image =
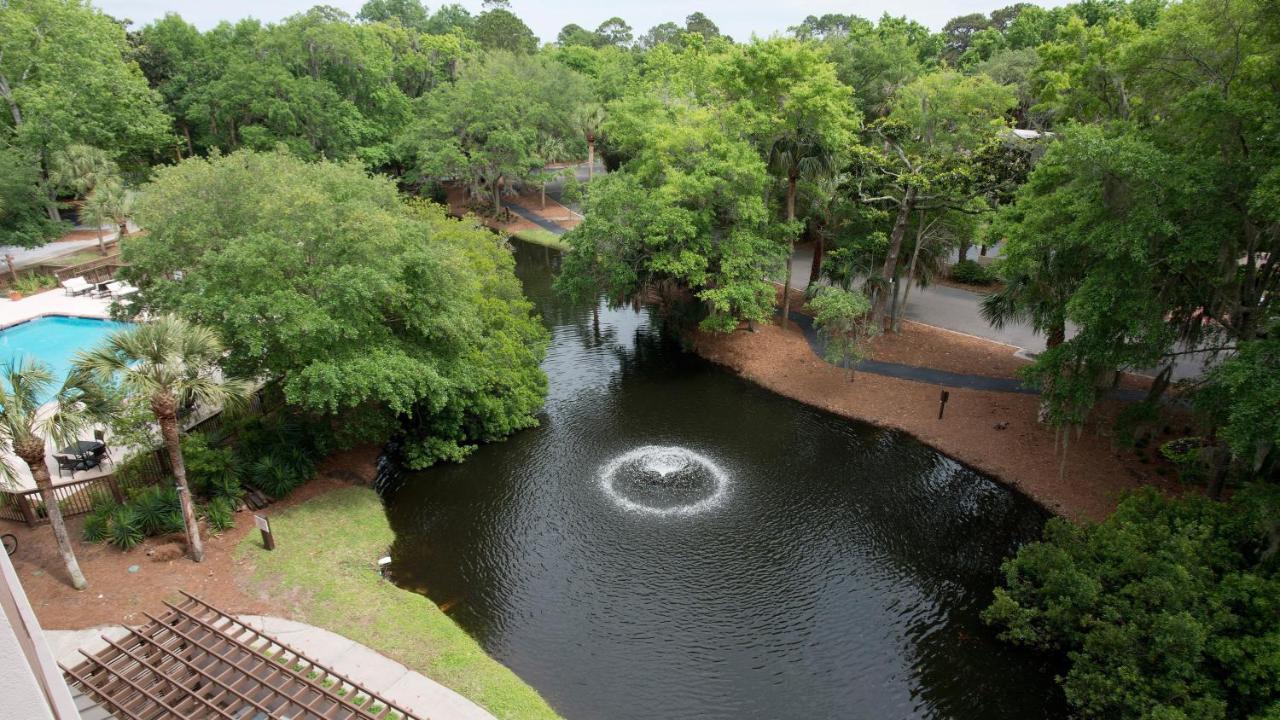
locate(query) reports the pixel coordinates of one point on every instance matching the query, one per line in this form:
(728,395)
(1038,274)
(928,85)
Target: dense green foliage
(321,277)
(1141,221)
(842,319)
(1168,609)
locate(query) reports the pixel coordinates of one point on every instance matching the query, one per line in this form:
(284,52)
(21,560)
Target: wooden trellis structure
(196,661)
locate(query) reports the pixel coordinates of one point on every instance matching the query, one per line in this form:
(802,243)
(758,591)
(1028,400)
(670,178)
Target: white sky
(738,18)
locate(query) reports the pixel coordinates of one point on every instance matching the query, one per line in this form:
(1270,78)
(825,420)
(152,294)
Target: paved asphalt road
(956,309)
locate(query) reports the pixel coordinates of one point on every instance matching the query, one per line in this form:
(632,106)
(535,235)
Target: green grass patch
(545,238)
(325,568)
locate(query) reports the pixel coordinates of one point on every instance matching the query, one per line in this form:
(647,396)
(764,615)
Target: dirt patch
(81,235)
(928,346)
(996,433)
(124,585)
(529,199)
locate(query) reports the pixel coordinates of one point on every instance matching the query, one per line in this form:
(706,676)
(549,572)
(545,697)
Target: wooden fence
(77,497)
(96,270)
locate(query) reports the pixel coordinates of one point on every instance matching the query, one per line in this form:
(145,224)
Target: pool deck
(53,302)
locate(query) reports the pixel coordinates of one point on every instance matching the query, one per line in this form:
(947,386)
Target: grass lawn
(538,236)
(324,568)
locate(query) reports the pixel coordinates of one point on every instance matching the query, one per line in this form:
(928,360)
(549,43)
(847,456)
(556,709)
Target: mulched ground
(1023,454)
(119,595)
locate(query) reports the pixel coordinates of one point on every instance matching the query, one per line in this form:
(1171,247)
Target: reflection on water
(828,569)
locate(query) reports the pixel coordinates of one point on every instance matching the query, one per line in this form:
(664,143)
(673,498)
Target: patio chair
(121,289)
(67,462)
(105,450)
(77,285)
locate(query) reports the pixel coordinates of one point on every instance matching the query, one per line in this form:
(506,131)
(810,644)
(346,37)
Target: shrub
(1187,455)
(211,471)
(220,514)
(32,284)
(155,508)
(1168,609)
(843,322)
(275,476)
(95,527)
(125,528)
(972,273)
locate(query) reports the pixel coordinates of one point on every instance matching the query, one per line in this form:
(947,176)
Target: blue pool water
(54,340)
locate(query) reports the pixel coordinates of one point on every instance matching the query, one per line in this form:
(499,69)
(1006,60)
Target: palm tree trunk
(34,458)
(167,414)
(791,248)
(102,244)
(591,159)
(815,270)
(891,259)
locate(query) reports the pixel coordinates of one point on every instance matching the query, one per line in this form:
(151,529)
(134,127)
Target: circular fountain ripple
(664,461)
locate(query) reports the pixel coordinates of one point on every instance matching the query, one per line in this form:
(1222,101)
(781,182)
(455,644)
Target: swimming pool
(54,340)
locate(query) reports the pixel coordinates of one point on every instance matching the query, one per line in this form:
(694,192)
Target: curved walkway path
(397,683)
(932,376)
(536,219)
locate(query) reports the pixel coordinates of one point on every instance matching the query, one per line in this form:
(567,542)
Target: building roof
(198,661)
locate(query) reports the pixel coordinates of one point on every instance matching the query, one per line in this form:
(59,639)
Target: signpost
(268,540)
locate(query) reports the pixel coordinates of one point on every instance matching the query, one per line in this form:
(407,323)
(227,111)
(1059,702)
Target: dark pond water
(749,558)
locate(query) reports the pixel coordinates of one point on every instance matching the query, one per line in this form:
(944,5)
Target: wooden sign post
(942,405)
(268,540)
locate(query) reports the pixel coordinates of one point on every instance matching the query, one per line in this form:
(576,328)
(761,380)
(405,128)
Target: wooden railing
(97,270)
(77,497)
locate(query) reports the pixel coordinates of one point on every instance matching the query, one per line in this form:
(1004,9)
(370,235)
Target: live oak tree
(921,156)
(685,213)
(373,314)
(66,79)
(484,129)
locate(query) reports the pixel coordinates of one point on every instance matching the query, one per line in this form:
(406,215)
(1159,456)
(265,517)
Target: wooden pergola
(196,661)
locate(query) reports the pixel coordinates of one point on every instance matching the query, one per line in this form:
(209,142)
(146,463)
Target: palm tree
(173,363)
(96,210)
(111,202)
(794,156)
(550,150)
(80,169)
(589,119)
(80,402)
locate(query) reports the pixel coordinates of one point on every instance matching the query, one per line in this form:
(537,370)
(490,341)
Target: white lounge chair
(119,289)
(77,285)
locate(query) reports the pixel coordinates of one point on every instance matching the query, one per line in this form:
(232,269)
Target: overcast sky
(738,18)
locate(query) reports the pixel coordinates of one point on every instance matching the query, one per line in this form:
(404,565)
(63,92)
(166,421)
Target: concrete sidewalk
(379,674)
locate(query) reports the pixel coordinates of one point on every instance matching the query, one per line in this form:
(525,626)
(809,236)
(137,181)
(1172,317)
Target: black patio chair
(103,450)
(68,462)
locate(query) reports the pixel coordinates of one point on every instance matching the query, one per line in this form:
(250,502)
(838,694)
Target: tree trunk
(911,277)
(102,243)
(165,408)
(964,251)
(186,131)
(1057,335)
(815,270)
(497,198)
(544,195)
(591,159)
(891,259)
(791,248)
(33,456)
